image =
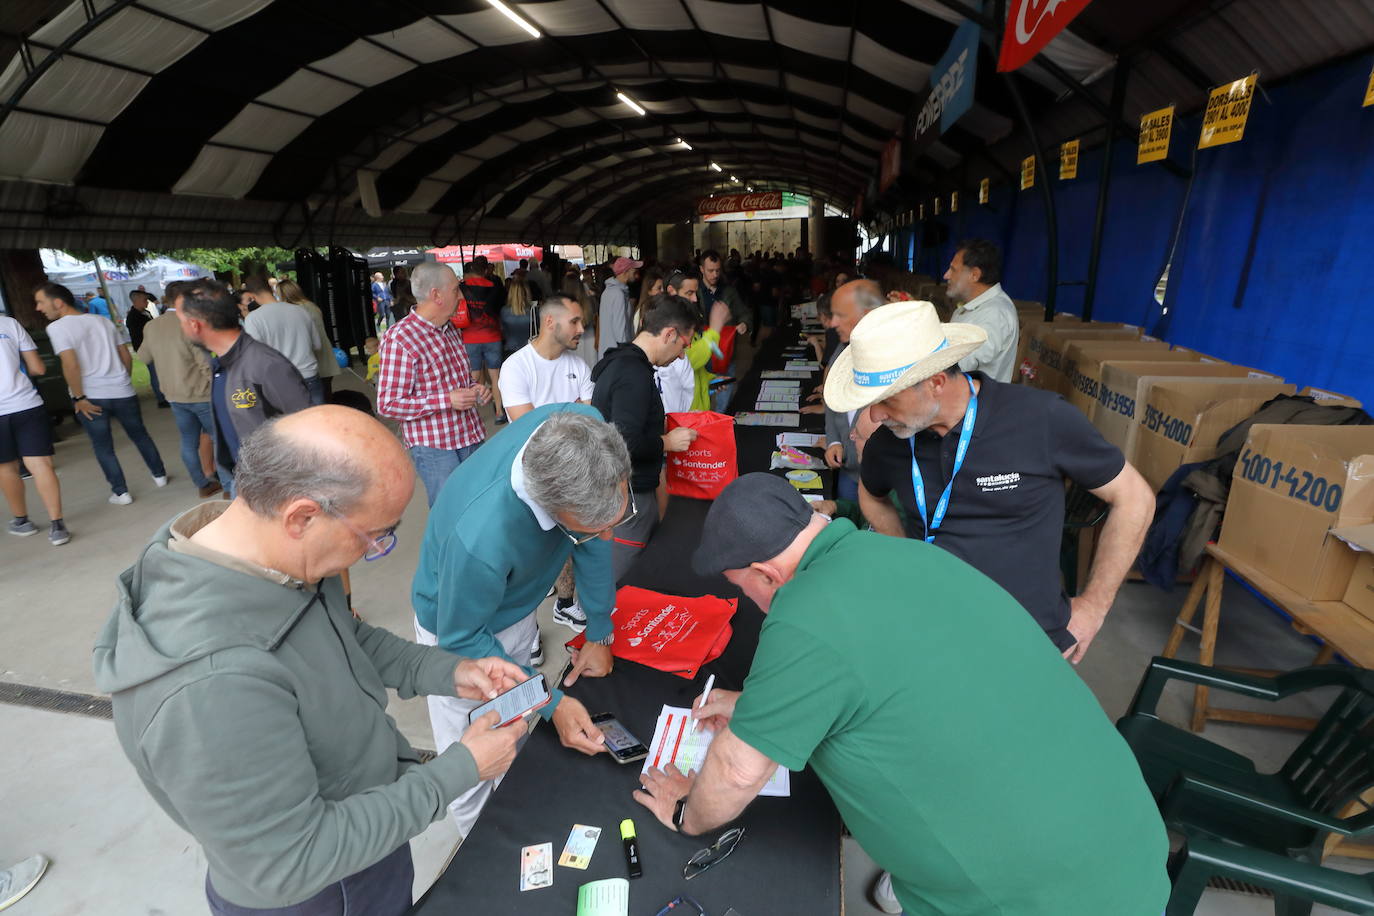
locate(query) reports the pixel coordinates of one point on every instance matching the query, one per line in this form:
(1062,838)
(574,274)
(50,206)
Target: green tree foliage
(235,262)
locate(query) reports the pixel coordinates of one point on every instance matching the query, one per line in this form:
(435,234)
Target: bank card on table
(581,843)
(536,867)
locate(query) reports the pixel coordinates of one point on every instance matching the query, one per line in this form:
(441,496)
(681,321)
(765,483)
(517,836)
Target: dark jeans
(126,411)
(379,890)
(193,418)
(847,486)
(157,389)
(316,387)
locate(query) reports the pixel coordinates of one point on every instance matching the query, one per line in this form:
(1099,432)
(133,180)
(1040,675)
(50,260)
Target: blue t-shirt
(223,422)
(98,306)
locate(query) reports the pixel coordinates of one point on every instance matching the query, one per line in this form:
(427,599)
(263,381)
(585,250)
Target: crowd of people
(251,700)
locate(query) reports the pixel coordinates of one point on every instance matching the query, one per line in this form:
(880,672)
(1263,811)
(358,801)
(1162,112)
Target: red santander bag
(720,365)
(675,635)
(708,465)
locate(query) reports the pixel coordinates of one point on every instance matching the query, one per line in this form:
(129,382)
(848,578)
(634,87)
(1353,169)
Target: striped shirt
(421,364)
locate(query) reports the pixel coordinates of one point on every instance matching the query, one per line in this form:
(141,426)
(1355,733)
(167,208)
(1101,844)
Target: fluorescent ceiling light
(734,179)
(639,109)
(749,189)
(514,17)
(715,167)
(684,143)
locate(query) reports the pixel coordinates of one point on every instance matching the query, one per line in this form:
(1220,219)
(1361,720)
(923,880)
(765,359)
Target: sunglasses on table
(630,513)
(713,855)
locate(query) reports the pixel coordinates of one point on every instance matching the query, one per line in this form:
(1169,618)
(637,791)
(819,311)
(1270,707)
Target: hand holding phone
(523,698)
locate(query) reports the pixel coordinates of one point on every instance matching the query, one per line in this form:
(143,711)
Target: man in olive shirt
(185,376)
(986,787)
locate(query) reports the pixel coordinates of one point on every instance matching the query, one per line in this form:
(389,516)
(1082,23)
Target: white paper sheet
(752,418)
(801,440)
(675,744)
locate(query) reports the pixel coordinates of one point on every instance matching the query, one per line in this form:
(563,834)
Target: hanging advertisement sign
(953,201)
(1027,173)
(1031,24)
(1068,160)
(1228,108)
(922,209)
(1156,127)
(936,204)
(984,187)
(950,93)
(1369,91)
(739,203)
(890,164)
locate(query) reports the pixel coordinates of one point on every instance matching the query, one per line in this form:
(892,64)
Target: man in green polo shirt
(983,774)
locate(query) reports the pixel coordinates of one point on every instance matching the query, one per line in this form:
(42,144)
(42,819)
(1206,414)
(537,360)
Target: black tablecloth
(789,860)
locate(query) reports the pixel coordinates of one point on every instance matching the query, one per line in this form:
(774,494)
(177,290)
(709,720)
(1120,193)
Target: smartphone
(722,380)
(624,747)
(522,698)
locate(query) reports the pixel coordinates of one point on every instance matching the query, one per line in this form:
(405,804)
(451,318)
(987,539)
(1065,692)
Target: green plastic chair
(1208,791)
(1296,885)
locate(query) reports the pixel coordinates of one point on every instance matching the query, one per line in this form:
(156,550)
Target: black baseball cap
(754,518)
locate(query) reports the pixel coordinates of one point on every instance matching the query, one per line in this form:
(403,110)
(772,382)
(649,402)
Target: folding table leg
(1190,604)
(1216,577)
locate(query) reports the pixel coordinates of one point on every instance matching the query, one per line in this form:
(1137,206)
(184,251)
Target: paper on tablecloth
(675,744)
(750,418)
(801,440)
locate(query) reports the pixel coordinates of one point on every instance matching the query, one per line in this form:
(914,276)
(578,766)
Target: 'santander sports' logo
(244,398)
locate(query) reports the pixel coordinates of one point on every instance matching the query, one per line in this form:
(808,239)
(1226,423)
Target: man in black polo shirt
(980,466)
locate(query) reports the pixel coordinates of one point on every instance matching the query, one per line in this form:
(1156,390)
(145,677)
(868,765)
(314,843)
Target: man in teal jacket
(253,704)
(553,485)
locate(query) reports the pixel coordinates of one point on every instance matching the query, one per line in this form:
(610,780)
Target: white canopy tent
(152,276)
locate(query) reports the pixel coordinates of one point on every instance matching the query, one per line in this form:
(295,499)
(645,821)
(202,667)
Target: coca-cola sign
(1032,24)
(737,203)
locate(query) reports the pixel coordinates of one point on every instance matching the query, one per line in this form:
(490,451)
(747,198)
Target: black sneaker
(58,534)
(570,614)
(537,653)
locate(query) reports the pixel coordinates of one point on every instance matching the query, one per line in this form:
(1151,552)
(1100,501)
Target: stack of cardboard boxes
(1301,507)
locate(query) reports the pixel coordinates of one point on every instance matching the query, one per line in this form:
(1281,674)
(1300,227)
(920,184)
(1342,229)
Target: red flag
(1031,24)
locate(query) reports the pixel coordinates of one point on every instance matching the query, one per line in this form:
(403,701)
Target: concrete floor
(68,791)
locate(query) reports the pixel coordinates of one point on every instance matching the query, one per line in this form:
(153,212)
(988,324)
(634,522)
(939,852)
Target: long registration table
(789,860)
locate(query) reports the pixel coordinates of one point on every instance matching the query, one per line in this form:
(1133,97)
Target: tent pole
(1051,221)
(1104,183)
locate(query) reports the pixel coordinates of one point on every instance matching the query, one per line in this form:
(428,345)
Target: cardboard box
(1083,359)
(1126,384)
(1329,398)
(1180,420)
(1027,326)
(1359,594)
(1292,485)
(1043,366)
(1202,357)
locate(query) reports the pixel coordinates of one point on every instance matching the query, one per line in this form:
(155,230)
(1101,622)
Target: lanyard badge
(918,485)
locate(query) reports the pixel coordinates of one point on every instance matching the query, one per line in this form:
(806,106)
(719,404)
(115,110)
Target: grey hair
(428,275)
(575,464)
(866,300)
(274,470)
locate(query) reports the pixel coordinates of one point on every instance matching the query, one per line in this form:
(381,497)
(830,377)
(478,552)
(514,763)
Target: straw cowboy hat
(894,347)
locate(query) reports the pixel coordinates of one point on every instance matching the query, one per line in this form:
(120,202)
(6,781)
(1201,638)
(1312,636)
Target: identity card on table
(536,867)
(676,744)
(581,843)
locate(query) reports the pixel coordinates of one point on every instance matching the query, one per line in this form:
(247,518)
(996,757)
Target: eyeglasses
(714,854)
(681,900)
(579,541)
(376,547)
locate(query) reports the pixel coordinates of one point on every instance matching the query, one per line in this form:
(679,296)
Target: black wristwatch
(78,397)
(679,810)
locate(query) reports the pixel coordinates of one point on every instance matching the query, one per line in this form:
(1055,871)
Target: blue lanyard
(918,485)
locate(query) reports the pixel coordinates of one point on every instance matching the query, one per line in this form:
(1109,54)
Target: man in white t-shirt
(26,432)
(547,370)
(289,330)
(96,367)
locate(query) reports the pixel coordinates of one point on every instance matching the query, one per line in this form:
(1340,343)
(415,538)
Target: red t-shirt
(484,310)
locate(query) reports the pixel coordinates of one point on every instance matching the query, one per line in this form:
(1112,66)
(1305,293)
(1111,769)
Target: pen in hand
(705,698)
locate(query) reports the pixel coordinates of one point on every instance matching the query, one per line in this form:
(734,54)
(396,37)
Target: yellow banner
(1068,160)
(953,201)
(1369,92)
(983,188)
(1155,129)
(1028,172)
(1228,107)
(936,202)
(923,211)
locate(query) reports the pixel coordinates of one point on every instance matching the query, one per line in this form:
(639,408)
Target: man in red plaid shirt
(425,382)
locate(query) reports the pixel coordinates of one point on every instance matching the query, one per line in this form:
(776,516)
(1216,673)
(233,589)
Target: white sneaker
(160,481)
(121,499)
(883,898)
(18,880)
(570,615)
